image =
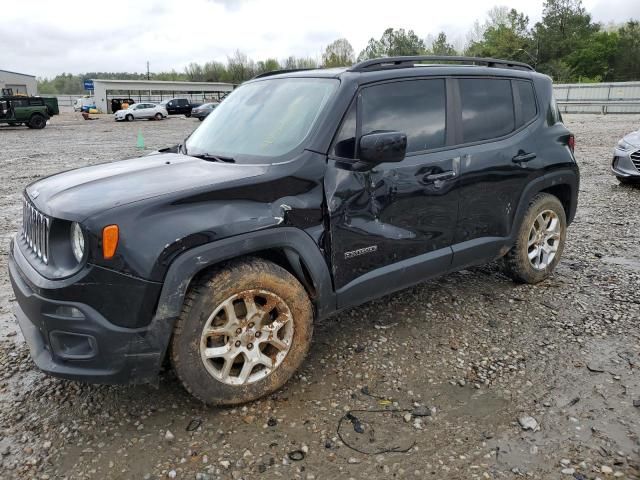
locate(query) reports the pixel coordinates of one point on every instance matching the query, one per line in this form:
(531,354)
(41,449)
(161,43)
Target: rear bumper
(72,340)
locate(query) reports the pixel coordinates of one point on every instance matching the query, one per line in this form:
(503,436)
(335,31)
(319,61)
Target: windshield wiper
(215,158)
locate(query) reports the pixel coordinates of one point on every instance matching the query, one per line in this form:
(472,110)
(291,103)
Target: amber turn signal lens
(110,235)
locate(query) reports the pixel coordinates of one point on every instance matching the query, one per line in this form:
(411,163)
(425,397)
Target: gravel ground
(469,376)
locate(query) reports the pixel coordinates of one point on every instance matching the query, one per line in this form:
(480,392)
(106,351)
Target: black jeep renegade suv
(302,194)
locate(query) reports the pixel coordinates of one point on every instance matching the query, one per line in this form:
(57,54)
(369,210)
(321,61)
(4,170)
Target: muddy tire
(37,122)
(540,241)
(129,118)
(244,330)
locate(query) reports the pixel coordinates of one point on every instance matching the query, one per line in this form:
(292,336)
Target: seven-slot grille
(635,158)
(35,230)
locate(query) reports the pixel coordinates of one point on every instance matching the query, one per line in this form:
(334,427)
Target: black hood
(78,194)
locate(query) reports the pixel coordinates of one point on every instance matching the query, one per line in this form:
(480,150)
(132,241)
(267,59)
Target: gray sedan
(202,111)
(626,159)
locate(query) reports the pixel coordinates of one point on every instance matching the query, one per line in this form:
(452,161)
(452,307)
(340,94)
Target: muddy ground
(438,378)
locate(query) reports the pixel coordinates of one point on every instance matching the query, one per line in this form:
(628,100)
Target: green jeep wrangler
(30,111)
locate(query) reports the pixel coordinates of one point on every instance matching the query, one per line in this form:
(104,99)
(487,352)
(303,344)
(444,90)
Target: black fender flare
(189,263)
(565,176)
(292,240)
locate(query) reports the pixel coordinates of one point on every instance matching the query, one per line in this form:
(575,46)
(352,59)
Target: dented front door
(393,212)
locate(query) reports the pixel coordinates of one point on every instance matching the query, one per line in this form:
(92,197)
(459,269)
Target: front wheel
(158,116)
(129,118)
(187,114)
(201,118)
(540,241)
(244,330)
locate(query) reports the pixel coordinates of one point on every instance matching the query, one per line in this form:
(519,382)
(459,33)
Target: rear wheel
(540,241)
(201,118)
(129,118)
(188,114)
(244,330)
(37,121)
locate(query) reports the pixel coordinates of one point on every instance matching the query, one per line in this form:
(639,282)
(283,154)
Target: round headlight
(77,241)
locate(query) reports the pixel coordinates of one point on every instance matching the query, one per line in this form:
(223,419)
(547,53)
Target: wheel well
(563,193)
(283,257)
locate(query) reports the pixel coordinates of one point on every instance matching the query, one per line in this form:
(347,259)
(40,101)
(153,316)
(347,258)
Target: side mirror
(382,147)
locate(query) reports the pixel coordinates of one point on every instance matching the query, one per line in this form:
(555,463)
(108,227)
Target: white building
(155,91)
(19,83)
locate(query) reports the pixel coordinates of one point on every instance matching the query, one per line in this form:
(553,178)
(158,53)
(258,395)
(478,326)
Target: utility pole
(148,76)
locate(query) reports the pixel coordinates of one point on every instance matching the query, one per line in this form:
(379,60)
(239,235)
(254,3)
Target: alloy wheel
(544,239)
(246,337)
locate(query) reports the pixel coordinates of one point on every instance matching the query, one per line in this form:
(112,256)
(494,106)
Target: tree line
(566,44)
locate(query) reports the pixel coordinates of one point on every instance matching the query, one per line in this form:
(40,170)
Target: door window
(345,143)
(487,108)
(416,108)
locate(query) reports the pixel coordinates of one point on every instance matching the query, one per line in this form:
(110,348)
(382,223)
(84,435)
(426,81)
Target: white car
(141,110)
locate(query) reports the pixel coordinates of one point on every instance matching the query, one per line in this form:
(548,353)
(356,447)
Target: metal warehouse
(19,83)
(155,91)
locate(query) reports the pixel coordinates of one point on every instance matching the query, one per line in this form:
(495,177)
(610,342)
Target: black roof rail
(277,72)
(409,61)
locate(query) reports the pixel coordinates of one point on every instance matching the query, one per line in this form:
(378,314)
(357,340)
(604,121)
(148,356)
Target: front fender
(188,264)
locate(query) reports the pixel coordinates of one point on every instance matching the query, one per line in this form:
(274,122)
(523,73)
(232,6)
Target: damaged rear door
(392,224)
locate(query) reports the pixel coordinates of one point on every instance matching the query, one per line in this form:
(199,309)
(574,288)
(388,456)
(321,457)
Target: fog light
(73,346)
(68,312)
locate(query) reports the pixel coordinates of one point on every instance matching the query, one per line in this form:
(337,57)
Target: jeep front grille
(35,230)
(635,158)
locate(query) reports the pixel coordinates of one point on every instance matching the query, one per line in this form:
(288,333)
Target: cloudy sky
(47,37)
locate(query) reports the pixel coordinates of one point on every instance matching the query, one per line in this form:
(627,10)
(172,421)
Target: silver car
(626,159)
(141,110)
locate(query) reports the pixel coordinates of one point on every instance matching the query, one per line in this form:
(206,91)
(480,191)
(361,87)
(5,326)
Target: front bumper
(72,340)
(622,165)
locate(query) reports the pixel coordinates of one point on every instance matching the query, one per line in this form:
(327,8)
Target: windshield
(264,119)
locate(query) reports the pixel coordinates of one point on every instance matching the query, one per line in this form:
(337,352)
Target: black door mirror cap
(382,147)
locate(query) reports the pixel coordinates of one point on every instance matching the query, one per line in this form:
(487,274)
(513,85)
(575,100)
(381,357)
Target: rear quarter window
(525,95)
(487,108)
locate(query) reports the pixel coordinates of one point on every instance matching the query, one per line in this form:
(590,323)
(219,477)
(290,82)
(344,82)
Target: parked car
(84,102)
(626,159)
(30,111)
(179,106)
(303,194)
(140,111)
(203,110)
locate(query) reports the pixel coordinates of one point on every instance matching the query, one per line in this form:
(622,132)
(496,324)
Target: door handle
(440,176)
(523,157)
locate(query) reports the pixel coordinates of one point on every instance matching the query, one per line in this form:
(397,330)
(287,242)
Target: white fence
(602,98)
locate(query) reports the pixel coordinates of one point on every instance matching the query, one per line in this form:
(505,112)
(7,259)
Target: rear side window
(527,99)
(487,108)
(416,108)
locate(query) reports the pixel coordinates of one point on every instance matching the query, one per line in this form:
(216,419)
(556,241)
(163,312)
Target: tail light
(571,142)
